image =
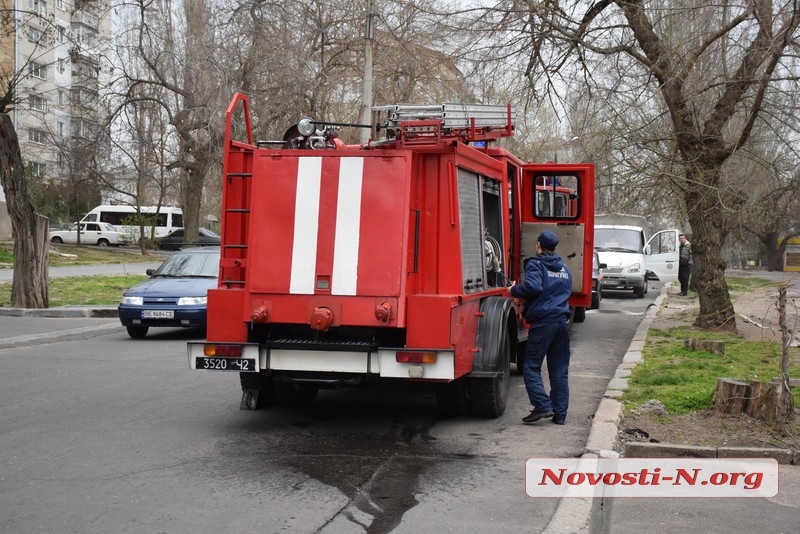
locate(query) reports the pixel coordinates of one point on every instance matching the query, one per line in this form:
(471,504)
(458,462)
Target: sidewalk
(577,515)
(106,269)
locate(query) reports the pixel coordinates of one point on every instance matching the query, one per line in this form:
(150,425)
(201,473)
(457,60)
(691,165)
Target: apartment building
(53,48)
(58,47)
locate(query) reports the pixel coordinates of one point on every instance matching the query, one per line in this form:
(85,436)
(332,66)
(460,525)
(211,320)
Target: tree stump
(713,346)
(764,402)
(731,396)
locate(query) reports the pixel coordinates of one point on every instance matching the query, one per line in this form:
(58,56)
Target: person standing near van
(684,264)
(546,288)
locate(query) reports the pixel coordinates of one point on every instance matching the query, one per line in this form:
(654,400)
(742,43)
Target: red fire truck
(344,265)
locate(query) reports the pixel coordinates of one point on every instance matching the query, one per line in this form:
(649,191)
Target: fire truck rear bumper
(386,363)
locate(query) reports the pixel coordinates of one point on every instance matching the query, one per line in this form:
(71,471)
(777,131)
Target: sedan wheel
(138,332)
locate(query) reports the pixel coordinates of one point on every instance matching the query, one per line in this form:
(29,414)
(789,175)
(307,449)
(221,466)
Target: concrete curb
(68,312)
(63,335)
(574,515)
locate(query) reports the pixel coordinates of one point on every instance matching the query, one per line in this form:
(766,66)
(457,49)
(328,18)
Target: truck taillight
(225,351)
(415,357)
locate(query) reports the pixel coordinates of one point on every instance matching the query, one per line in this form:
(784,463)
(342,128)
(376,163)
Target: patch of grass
(65,256)
(6,256)
(82,290)
(741,284)
(684,380)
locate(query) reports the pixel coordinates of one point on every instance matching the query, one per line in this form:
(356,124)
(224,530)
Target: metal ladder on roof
(475,121)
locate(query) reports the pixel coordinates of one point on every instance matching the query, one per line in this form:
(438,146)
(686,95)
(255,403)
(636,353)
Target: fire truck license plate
(225,364)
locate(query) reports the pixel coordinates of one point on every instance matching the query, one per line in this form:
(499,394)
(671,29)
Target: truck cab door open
(560,198)
(663,257)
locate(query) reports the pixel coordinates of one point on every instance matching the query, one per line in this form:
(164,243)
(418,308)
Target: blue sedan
(175,294)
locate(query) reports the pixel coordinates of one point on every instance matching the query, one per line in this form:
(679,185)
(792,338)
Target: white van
(123,218)
(622,244)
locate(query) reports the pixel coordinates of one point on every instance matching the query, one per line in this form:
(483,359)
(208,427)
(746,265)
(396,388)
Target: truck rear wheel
(488,396)
(451,398)
(291,394)
(257,391)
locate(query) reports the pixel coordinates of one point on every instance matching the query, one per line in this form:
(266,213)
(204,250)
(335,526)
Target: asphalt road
(102,433)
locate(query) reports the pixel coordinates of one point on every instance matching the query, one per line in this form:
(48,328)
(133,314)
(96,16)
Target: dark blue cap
(548,240)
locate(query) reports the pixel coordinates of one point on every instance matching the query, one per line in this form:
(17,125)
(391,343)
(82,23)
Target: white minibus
(123,217)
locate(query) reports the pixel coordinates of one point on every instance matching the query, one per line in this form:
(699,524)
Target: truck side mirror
(647,250)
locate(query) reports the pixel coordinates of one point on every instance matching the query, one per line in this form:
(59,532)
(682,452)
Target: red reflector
(415,357)
(225,351)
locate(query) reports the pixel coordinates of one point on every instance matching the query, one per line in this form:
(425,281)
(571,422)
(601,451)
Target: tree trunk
(29,287)
(708,267)
(192,196)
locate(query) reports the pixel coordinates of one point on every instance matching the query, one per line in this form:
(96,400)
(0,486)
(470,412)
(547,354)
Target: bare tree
(29,285)
(174,64)
(699,75)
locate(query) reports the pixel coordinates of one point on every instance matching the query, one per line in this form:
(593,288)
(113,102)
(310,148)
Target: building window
(36,136)
(60,129)
(38,70)
(61,97)
(36,169)
(82,129)
(37,103)
(35,35)
(60,4)
(61,63)
(38,6)
(62,34)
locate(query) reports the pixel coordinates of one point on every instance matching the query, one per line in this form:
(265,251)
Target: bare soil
(757,319)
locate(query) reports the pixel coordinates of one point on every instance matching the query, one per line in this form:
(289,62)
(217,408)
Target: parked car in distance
(100,234)
(175,295)
(176,239)
(597,281)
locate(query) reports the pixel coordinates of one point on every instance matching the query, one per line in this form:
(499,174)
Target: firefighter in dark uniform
(546,288)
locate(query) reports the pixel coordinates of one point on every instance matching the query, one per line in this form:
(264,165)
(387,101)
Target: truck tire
(488,396)
(138,332)
(257,391)
(291,394)
(451,398)
(580,314)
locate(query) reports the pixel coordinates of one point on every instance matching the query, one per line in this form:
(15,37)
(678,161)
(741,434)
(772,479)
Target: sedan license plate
(226,364)
(158,314)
